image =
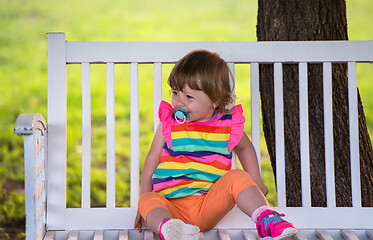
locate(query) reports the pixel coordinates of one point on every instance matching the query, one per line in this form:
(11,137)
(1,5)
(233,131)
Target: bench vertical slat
(255,109)
(110,135)
(86,135)
(328,134)
(134,85)
(354,135)
(304,135)
(232,69)
(279,124)
(57,120)
(157,92)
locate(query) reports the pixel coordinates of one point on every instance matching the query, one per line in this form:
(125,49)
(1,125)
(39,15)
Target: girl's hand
(138,221)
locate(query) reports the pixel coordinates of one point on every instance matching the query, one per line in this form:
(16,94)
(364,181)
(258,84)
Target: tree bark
(281,20)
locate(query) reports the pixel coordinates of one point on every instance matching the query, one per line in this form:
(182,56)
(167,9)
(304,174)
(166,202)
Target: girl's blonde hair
(208,69)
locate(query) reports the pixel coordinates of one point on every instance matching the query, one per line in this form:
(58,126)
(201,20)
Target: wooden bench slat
(73,235)
(157,92)
(300,236)
(244,51)
(148,235)
(231,66)
(369,234)
(123,235)
(248,235)
(328,128)
(354,135)
(135,135)
(323,235)
(279,135)
(201,236)
(348,235)
(110,136)
(223,234)
(50,235)
(86,136)
(304,135)
(98,235)
(255,109)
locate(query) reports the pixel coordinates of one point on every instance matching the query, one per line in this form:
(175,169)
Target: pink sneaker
(270,224)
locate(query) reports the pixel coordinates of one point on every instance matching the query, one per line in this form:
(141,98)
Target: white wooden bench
(47,216)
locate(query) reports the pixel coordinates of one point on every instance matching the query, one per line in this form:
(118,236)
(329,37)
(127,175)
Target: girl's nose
(179,101)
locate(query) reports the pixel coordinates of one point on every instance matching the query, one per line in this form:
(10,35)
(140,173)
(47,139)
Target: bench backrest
(61,53)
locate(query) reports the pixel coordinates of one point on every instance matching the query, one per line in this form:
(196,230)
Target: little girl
(187,182)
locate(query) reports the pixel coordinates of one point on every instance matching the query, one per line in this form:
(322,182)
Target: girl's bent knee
(149,195)
(146,197)
(239,180)
(150,201)
(239,175)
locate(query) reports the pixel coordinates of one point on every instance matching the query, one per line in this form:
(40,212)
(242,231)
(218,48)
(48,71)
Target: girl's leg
(156,217)
(251,199)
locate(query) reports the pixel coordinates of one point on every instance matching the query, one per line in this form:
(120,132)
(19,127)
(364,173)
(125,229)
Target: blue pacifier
(180,115)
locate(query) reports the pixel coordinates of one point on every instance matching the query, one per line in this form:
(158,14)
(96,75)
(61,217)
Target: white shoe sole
(176,229)
(287,233)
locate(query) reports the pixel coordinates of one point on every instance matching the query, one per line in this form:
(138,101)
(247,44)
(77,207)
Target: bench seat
(218,234)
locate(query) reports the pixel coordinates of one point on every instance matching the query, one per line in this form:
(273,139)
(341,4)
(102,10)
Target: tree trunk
(282,20)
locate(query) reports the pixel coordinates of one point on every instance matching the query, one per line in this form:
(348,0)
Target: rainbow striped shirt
(196,154)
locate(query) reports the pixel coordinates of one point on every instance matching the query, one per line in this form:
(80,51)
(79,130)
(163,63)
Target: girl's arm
(150,164)
(152,161)
(246,154)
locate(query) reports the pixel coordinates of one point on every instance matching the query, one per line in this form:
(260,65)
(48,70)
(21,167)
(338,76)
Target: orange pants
(204,211)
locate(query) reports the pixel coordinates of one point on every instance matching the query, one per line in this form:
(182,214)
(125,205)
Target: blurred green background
(23,79)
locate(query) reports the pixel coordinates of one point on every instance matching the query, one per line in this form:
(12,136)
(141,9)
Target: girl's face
(197,103)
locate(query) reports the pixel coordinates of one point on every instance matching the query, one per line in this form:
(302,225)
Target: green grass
(23,76)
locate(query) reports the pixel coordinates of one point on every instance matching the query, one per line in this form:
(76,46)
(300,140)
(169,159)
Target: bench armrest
(34,129)
(26,122)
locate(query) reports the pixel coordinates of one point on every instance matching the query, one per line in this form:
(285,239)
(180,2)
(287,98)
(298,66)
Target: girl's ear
(215,105)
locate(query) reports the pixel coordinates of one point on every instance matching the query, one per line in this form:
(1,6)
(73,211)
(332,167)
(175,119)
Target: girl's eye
(174,93)
(188,96)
